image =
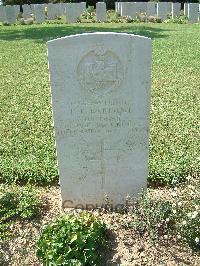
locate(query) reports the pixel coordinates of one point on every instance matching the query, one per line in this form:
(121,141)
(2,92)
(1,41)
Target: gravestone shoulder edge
(51,42)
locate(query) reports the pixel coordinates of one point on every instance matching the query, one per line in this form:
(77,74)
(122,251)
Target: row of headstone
(8,14)
(160,9)
(192,11)
(73,10)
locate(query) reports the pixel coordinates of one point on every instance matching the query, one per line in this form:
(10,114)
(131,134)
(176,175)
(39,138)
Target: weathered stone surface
(101,11)
(39,12)
(101,99)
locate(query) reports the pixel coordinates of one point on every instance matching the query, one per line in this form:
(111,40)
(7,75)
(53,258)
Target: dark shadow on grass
(44,33)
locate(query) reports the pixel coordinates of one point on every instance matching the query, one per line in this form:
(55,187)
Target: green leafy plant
(142,17)
(154,19)
(128,19)
(17,203)
(182,19)
(154,217)
(187,208)
(178,217)
(72,240)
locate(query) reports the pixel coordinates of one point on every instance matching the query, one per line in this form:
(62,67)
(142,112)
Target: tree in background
(109,3)
(22,2)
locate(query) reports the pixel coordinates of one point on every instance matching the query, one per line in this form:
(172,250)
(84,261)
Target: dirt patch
(128,247)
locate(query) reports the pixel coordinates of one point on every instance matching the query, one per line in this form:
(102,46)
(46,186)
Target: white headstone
(73,11)
(186,9)
(116,7)
(101,99)
(131,10)
(124,9)
(193,12)
(62,9)
(151,9)
(119,8)
(51,11)
(176,9)
(83,7)
(169,8)
(2,14)
(162,10)
(17,10)
(10,14)
(141,7)
(27,11)
(39,12)
(58,9)
(101,11)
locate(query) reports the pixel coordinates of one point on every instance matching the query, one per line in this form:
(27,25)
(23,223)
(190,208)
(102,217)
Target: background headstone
(27,11)
(51,11)
(193,12)
(59,9)
(151,9)
(17,10)
(130,9)
(169,8)
(39,12)
(62,9)
(124,9)
(10,14)
(2,14)
(83,7)
(119,8)
(186,9)
(73,11)
(101,11)
(162,10)
(176,8)
(141,7)
(101,101)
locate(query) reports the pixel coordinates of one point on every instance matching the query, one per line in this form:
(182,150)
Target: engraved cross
(102,149)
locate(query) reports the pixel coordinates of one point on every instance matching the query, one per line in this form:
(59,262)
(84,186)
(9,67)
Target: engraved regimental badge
(100,70)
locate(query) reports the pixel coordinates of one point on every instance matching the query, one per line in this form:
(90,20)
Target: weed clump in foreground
(175,218)
(72,240)
(19,203)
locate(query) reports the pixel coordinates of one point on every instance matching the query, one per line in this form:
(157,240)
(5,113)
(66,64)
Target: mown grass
(26,132)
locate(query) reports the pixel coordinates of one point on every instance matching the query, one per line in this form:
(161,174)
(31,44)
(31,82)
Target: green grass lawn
(27,141)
